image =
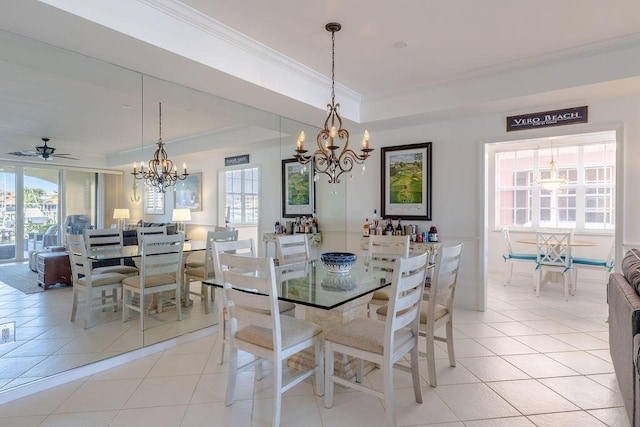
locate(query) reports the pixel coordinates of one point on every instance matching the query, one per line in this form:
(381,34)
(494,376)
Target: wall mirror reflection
(107,118)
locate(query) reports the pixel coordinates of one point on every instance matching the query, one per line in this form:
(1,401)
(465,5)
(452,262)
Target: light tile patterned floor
(525,361)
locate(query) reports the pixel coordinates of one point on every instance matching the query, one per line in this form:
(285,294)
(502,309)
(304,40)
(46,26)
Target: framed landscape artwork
(188,194)
(298,196)
(406,181)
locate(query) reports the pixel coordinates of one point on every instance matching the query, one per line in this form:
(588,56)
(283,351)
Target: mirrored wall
(107,118)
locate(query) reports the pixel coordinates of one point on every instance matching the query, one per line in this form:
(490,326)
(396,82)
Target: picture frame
(154,201)
(406,181)
(298,189)
(188,193)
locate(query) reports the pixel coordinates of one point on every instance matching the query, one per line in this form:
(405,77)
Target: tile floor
(48,343)
(525,361)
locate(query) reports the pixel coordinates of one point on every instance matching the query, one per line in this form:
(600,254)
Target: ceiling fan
(43,151)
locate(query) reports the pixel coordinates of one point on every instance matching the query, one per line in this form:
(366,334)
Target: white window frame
(580,186)
(243,194)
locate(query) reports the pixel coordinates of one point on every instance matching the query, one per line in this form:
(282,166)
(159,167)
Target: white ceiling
(462,57)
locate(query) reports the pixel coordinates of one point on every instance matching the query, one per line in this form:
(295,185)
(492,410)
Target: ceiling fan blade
(63,156)
(25,153)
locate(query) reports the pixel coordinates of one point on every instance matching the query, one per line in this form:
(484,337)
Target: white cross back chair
(510,258)
(554,257)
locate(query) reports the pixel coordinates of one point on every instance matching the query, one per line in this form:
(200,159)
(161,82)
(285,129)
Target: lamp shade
(181,215)
(121,214)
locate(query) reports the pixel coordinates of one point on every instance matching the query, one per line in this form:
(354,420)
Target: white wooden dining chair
(245,248)
(382,252)
(437,307)
(255,326)
(292,249)
(106,239)
(160,267)
(511,257)
(94,286)
(553,256)
(144,231)
(383,342)
(207,271)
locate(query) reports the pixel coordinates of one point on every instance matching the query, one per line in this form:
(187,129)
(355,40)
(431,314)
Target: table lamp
(121,215)
(179,216)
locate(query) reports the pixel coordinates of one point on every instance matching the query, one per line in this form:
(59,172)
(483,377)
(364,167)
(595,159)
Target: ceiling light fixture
(161,172)
(554,182)
(325,159)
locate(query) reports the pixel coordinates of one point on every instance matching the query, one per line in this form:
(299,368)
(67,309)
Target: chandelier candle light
(554,182)
(161,173)
(325,159)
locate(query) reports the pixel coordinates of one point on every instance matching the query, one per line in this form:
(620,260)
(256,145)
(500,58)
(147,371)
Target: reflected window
(242,200)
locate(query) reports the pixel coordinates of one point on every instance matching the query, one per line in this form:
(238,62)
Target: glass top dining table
(310,284)
(114,253)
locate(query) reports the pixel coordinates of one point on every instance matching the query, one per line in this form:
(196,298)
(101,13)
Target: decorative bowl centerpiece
(338,262)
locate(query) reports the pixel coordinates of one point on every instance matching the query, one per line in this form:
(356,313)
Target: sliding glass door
(34,203)
(7,213)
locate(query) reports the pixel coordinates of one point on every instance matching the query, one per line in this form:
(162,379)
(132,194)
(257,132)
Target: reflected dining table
(111,253)
(573,242)
(327,298)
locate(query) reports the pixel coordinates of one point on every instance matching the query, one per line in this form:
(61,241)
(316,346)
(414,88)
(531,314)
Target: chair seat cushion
(197,272)
(441,311)
(294,331)
(122,269)
(520,256)
(383,294)
(590,261)
(103,279)
(365,334)
(150,281)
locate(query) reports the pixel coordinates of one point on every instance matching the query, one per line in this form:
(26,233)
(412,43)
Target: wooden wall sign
(567,116)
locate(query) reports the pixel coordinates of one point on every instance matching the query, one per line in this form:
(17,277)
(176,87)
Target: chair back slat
(149,231)
(292,249)
(80,265)
(216,236)
(384,250)
(444,279)
(161,254)
(507,240)
(407,287)
(554,249)
(242,273)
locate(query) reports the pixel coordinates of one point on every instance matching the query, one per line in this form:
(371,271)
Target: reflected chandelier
(554,182)
(326,159)
(161,173)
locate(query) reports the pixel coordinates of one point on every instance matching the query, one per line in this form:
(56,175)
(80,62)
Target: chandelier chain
(333,68)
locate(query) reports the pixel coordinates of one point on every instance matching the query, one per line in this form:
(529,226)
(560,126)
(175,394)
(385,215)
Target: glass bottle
(390,229)
(366,228)
(399,230)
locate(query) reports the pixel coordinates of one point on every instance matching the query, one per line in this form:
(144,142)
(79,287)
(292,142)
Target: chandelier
(327,159)
(161,172)
(554,182)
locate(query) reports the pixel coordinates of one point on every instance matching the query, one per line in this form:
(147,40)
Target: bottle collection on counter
(381,226)
(301,225)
